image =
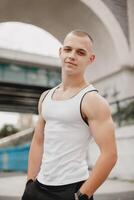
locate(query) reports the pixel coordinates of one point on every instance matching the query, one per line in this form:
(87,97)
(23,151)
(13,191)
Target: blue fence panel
(14,158)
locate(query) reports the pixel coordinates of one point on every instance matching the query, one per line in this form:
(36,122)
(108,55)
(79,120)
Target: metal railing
(16,139)
(123,111)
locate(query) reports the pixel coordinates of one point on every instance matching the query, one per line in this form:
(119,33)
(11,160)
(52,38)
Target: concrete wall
(130,5)
(124,168)
(121,82)
(119,9)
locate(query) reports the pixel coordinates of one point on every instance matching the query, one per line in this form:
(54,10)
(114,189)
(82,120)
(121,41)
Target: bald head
(80,33)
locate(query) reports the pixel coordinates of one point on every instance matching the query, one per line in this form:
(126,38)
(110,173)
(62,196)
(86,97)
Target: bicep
(103,133)
(38,136)
(100,122)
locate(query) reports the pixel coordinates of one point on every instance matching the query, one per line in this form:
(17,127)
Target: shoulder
(94,98)
(94,105)
(42,97)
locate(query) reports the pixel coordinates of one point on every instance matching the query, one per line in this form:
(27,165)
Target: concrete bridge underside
(60,16)
(20,98)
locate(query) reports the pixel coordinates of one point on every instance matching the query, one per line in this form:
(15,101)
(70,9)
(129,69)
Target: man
(69,115)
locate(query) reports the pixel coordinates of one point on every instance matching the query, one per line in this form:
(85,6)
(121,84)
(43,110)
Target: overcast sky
(8,118)
(29,38)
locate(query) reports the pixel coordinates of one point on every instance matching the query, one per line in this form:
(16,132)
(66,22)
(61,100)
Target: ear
(92,58)
(60,49)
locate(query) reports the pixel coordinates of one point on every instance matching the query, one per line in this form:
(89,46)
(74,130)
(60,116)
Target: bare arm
(36,147)
(98,115)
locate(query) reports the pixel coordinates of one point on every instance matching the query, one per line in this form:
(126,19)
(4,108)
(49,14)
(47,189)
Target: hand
(80,196)
(29,181)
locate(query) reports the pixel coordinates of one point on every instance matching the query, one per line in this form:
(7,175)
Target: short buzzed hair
(81,33)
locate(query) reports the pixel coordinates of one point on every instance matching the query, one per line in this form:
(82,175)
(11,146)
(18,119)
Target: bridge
(23,77)
(109,22)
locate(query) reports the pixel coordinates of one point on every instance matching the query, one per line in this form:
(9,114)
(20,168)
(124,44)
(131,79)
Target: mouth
(71,63)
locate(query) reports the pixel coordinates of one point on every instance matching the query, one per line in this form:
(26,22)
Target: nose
(72,55)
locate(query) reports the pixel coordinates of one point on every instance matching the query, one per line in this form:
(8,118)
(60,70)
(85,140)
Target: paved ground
(12,186)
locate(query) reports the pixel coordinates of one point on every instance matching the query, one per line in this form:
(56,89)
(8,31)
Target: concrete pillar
(130,4)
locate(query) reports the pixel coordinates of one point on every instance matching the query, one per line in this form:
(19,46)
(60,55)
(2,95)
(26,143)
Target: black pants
(37,191)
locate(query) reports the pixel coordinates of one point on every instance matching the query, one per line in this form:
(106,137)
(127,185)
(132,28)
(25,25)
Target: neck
(71,81)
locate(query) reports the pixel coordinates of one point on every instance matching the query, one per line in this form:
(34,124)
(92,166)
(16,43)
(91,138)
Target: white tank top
(66,140)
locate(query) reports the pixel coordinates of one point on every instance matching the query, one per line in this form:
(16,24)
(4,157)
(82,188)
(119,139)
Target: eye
(67,49)
(81,53)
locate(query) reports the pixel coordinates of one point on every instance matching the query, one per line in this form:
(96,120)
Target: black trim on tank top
(45,95)
(69,97)
(81,104)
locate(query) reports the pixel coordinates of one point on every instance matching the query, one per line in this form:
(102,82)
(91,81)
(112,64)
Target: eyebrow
(85,51)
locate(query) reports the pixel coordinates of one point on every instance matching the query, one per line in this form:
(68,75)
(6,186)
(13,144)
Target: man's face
(76,54)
